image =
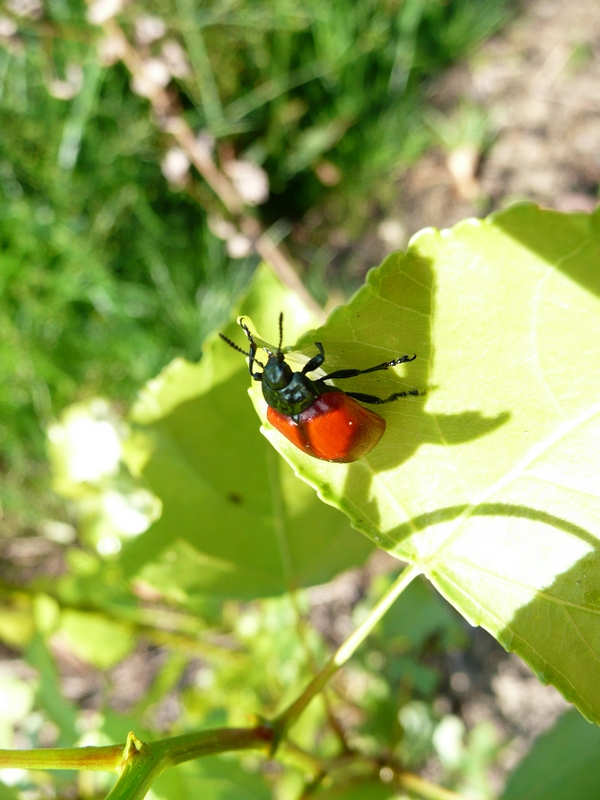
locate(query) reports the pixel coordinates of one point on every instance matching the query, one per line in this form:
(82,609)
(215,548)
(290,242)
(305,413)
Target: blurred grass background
(108,270)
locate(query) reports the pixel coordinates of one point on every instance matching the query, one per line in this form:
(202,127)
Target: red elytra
(335,427)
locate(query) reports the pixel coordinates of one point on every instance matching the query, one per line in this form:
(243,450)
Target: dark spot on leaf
(235,498)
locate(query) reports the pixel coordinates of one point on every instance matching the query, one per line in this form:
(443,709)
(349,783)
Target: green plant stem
(283,543)
(288,716)
(92,758)
(221,740)
(143,762)
(164,752)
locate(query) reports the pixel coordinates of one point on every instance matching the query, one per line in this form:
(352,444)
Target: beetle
(321,420)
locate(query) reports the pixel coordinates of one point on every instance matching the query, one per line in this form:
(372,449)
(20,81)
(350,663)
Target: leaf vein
(403,308)
(559,485)
(522,587)
(519,469)
(413,279)
(535,340)
(581,635)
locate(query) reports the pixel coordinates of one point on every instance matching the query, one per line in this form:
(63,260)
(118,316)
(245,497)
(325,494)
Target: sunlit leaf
(96,639)
(16,626)
(490,481)
(16,700)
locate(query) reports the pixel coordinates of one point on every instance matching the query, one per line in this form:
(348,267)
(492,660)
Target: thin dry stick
(167,110)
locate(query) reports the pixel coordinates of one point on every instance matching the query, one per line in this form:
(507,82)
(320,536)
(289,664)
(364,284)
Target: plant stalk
(288,716)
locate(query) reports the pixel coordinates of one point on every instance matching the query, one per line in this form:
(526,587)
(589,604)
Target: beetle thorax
(285,390)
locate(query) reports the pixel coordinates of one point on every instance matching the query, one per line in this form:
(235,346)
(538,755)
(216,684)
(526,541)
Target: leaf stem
(288,716)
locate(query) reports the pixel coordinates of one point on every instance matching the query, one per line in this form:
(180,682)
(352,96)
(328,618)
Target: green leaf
(360,789)
(212,778)
(96,639)
(418,615)
(490,481)
(16,626)
(235,522)
(6,793)
(49,695)
(16,700)
(562,763)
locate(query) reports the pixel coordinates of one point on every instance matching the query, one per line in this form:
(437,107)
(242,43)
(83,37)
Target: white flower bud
(154,75)
(175,166)
(174,56)
(102,10)
(148,29)
(250,180)
(239,246)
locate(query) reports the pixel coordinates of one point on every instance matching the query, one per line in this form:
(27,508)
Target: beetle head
(276,373)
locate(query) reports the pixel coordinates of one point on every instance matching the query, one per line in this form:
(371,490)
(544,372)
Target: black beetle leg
(315,361)
(373,400)
(352,373)
(258,376)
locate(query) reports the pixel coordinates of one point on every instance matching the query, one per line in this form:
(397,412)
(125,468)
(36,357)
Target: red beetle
(321,420)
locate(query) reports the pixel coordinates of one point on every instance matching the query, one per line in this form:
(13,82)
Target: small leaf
(6,793)
(96,639)
(212,778)
(16,626)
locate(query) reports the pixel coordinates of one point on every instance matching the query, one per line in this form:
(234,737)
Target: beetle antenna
(246,330)
(280,330)
(234,345)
